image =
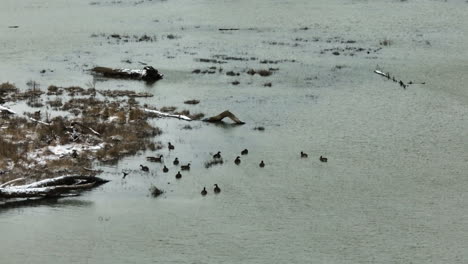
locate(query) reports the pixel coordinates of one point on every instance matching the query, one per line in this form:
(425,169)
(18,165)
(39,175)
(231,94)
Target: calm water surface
(393,191)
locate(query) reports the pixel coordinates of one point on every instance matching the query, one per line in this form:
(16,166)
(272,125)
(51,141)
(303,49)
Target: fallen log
(219,118)
(147,74)
(56,187)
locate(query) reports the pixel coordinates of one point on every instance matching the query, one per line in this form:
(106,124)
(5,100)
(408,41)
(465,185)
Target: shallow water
(393,190)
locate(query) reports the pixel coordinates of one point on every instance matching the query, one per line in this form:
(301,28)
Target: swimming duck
(244,152)
(144,168)
(170,146)
(124,174)
(204,192)
(262,164)
(185,167)
(304,155)
(217,189)
(178,175)
(323,159)
(217,155)
(176,161)
(155,159)
(237,161)
(165,169)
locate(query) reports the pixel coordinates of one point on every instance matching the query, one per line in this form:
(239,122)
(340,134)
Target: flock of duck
(216,157)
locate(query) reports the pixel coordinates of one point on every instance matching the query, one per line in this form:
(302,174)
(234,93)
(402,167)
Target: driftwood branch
(219,118)
(90,129)
(11,182)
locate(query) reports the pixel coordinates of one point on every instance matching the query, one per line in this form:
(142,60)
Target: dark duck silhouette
(144,168)
(124,174)
(155,159)
(262,164)
(217,189)
(217,155)
(244,152)
(323,159)
(176,161)
(178,175)
(170,146)
(165,169)
(237,161)
(204,192)
(185,167)
(304,155)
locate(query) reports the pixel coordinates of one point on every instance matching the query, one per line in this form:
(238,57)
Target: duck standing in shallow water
(165,169)
(217,155)
(244,152)
(170,146)
(185,167)
(144,168)
(178,175)
(323,159)
(304,155)
(237,161)
(176,161)
(217,189)
(262,164)
(204,192)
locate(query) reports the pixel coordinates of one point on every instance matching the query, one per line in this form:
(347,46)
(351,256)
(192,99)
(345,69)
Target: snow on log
(147,74)
(186,118)
(55,187)
(7,110)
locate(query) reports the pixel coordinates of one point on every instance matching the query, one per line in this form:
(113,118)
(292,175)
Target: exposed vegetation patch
(263,73)
(120,93)
(192,102)
(95,130)
(115,38)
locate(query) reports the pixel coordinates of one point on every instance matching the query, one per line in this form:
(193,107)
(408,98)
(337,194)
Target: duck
(124,174)
(304,155)
(237,161)
(323,159)
(178,175)
(176,161)
(170,146)
(155,159)
(245,152)
(185,167)
(165,169)
(144,168)
(204,192)
(216,188)
(217,155)
(262,164)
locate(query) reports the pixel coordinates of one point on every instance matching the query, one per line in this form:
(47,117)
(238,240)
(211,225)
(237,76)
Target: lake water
(393,190)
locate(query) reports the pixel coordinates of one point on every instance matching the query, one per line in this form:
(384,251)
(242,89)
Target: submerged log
(219,118)
(55,187)
(148,74)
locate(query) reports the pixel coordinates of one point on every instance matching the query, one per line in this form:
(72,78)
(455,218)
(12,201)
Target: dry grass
(8,88)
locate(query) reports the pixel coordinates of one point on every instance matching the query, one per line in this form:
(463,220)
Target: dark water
(393,191)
